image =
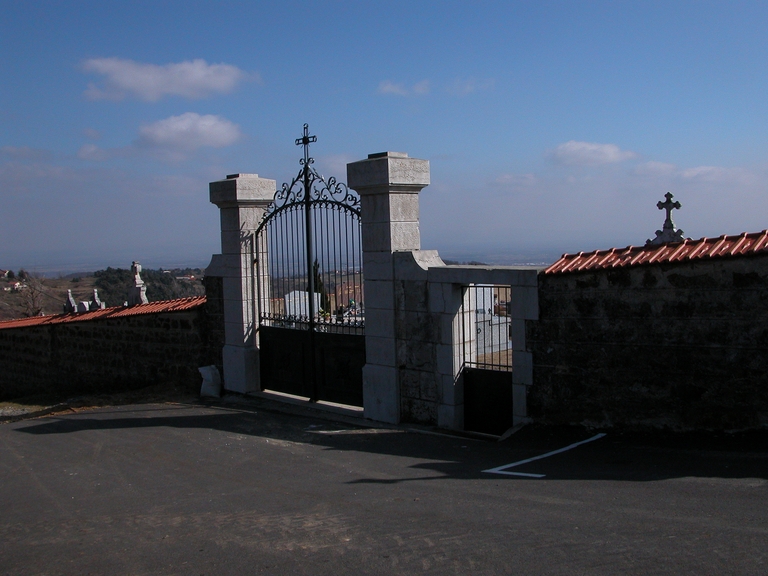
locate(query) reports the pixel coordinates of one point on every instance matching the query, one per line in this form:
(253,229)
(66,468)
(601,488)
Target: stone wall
(212,328)
(108,354)
(677,345)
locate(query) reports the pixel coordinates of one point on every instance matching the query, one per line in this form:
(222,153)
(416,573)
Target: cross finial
(668,232)
(305,141)
(668,205)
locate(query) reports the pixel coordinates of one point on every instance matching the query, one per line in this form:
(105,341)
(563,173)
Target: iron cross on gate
(305,141)
(668,206)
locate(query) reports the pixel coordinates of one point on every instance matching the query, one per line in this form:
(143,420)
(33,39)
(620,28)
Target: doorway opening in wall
(486,348)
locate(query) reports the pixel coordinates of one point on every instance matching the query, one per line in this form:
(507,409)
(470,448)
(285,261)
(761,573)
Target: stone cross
(668,206)
(668,233)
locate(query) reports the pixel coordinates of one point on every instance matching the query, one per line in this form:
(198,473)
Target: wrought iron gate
(487,355)
(309,288)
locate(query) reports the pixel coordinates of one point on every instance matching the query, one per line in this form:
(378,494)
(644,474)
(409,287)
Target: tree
(32,295)
(325,301)
(11,275)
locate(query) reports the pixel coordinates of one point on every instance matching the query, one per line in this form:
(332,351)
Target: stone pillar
(242,200)
(389,184)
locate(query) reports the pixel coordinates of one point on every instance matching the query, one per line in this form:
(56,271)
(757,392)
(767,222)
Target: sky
(550,126)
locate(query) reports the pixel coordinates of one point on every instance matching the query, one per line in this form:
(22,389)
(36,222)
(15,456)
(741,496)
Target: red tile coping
(725,246)
(178,305)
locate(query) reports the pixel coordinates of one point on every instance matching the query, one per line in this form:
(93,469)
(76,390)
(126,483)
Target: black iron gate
(487,365)
(309,288)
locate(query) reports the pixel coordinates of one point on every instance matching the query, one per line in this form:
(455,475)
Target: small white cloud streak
(463,87)
(419,89)
(577,153)
(516,180)
(655,169)
(150,82)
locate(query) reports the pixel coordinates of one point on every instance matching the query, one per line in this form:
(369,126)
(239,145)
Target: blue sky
(550,126)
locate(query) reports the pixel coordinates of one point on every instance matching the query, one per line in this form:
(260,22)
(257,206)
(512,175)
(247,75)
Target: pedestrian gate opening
(487,358)
(309,288)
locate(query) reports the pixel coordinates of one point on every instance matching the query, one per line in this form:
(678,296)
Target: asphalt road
(191,489)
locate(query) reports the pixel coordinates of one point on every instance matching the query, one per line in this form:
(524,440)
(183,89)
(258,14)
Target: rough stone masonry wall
(212,328)
(106,355)
(681,345)
(415,352)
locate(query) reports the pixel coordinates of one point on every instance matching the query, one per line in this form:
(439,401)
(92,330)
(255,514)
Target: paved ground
(174,488)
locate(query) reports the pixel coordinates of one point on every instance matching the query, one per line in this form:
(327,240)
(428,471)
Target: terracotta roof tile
(178,305)
(723,247)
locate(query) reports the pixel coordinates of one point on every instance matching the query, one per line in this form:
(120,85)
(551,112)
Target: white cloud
(516,180)
(189,79)
(590,153)
(388,87)
(171,139)
(655,169)
(189,131)
(93,153)
(717,174)
(462,87)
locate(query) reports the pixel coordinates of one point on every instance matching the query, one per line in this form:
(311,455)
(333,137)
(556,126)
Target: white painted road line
(502,469)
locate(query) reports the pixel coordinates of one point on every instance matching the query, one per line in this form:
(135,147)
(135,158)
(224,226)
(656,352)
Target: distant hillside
(47,295)
(113,284)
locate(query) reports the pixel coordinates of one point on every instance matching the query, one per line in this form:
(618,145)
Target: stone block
(376,237)
(377,265)
(381,397)
(238,334)
(418,411)
(405,236)
(374,209)
(414,264)
(436,297)
(379,350)
(524,303)
(403,208)
(517,333)
(388,170)
(428,386)
(241,369)
(379,322)
(410,386)
(451,389)
(522,367)
(242,190)
(416,297)
(519,403)
(379,294)
(499,275)
(238,242)
(445,359)
(450,416)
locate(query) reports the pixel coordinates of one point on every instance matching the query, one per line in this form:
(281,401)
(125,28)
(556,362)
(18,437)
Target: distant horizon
(51,269)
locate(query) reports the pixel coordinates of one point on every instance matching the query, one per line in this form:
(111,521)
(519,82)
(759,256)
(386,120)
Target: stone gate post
(389,184)
(242,200)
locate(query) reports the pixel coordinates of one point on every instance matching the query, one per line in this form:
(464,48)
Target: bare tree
(32,296)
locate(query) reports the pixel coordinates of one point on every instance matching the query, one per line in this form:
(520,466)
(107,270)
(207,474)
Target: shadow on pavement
(633,457)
